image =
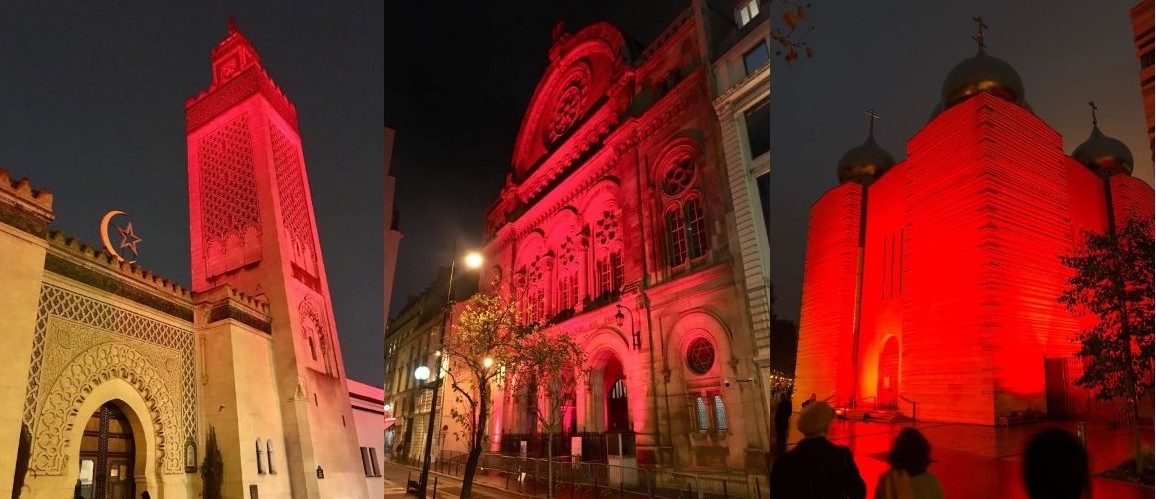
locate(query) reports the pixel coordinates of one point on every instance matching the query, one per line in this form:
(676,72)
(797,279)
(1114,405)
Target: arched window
(696,227)
(676,237)
(269,456)
(260,459)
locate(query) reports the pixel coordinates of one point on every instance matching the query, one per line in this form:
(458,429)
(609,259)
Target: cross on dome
(871,117)
(978,37)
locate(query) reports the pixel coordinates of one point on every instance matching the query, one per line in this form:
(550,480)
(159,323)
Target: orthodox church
(930,284)
(115,379)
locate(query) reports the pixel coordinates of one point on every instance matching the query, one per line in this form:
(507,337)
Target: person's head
(910,452)
(813,397)
(1055,465)
(815,419)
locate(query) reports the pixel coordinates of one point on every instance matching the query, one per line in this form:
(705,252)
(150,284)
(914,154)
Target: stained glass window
(700,356)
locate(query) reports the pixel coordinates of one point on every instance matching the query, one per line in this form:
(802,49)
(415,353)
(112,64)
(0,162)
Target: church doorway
(107,455)
(888,394)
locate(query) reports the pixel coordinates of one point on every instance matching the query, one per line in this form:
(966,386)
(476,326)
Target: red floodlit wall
(829,275)
(1131,197)
(881,311)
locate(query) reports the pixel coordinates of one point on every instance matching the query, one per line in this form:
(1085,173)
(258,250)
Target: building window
(365,464)
(756,57)
(373,461)
(700,356)
(746,11)
(764,184)
(677,232)
(720,413)
(260,459)
(696,226)
(618,391)
(700,414)
(610,273)
(568,291)
(269,457)
(758,121)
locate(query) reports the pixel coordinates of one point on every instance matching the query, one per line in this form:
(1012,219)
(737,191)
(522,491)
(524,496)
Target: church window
(312,349)
(700,356)
(568,291)
(618,391)
(746,11)
(260,459)
(269,456)
(616,269)
(756,57)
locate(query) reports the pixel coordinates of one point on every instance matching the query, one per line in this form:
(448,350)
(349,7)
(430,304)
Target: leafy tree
(1113,284)
(551,368)
(483,355)
(212,468)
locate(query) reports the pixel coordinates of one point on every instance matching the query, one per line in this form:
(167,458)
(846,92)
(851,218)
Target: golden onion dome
(864,163)
(982,73)
(1104,154)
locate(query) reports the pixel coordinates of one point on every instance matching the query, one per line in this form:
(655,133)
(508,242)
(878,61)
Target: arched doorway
(617,407)
(107,455)
(888,390)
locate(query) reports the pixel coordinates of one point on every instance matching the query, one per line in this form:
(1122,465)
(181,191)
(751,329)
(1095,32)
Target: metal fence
(581,479)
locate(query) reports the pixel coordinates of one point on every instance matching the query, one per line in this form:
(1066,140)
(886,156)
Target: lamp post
(635,334)
(473,260)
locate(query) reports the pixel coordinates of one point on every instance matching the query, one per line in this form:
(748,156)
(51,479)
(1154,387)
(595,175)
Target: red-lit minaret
(252,227)
(934,281)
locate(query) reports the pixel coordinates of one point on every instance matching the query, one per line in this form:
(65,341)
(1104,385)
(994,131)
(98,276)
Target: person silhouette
(1056,466)
(908,477)
(816,468)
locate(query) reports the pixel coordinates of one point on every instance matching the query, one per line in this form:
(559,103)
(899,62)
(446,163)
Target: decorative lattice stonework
(228,189)
(291,188)
(606,228)
(679,175)
(700,356)
(81,343)
(569,105)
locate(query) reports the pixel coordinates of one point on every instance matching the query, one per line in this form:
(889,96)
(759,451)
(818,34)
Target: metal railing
(583,479)
(914,407)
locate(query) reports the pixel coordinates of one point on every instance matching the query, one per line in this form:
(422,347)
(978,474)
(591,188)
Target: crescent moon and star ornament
(128,239)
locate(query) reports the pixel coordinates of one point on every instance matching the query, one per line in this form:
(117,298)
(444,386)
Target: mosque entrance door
(107,455)
(888,394)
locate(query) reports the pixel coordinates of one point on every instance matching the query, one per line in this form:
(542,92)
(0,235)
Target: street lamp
(473,260)
(635,334)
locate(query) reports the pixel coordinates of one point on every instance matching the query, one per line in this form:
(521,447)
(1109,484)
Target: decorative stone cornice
(226,302)
(23,207)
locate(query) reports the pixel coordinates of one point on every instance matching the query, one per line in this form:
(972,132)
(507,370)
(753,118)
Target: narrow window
(676,231)
(756,57)
(373,461)
(260,459)
(269,457)
(696,225)
(700,412)
(616,270)
(312,349)
(365,461)
(720,413)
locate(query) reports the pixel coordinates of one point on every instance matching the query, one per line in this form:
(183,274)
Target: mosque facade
(116,379)
(930,284)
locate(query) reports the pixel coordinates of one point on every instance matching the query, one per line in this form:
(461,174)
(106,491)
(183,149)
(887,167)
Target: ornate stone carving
(294,203)
(81,343)
(228,189)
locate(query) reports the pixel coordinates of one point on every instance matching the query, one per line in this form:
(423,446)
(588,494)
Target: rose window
(700,356)
(679,176)
(568,107)
(568,258)
(607,228)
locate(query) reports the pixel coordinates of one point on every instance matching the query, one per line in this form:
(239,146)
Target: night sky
(894,55)
(458,84)
(92,99)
